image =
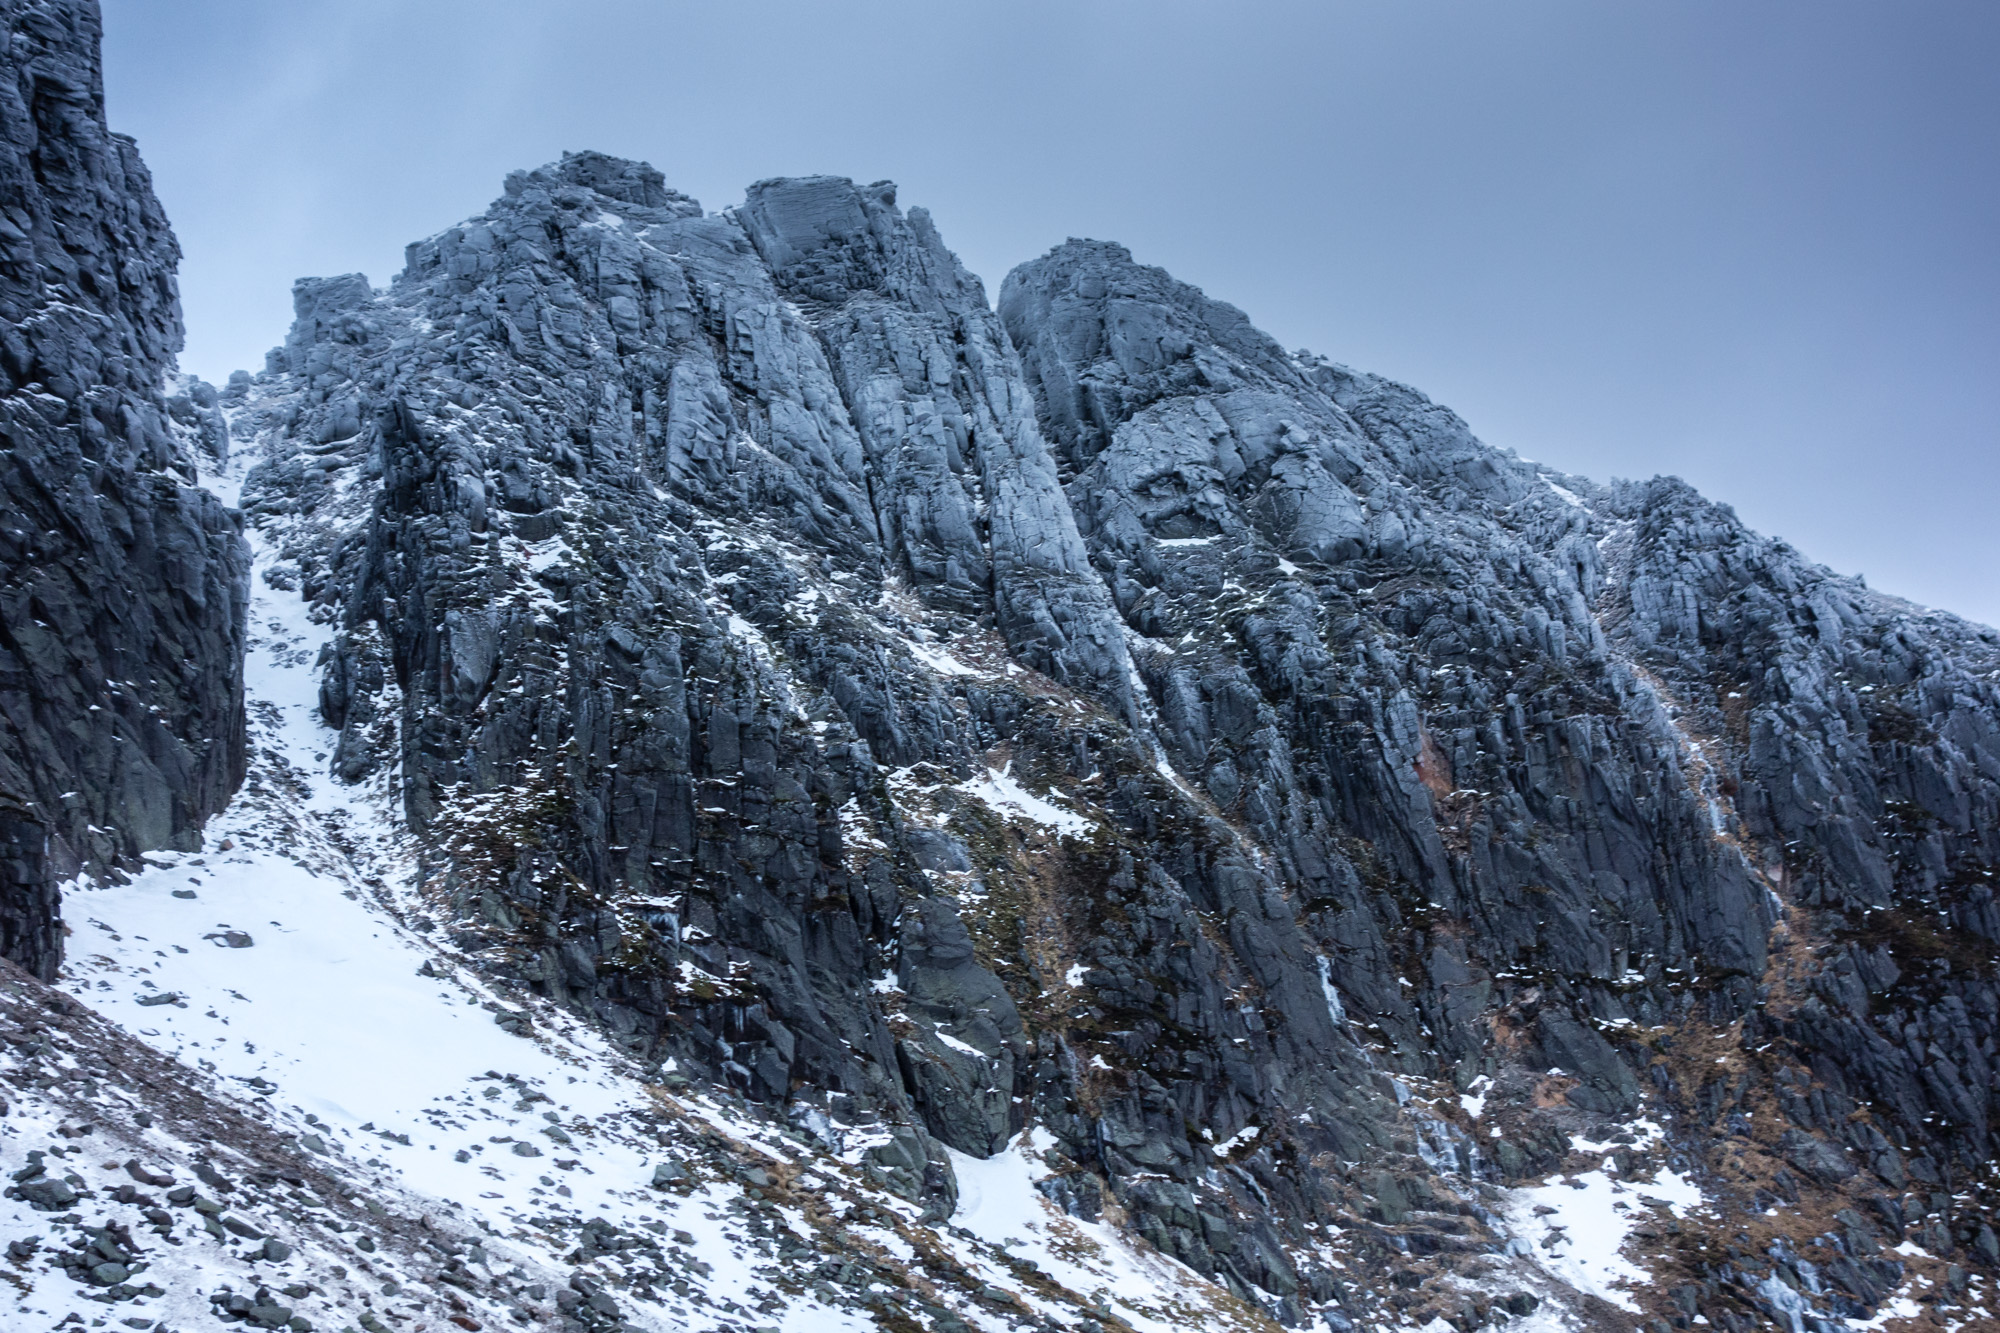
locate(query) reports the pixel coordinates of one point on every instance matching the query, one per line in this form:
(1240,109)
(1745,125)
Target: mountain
(121,583)
(928,815)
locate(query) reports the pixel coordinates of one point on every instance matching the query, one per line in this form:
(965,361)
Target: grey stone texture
(694,571)
(122,584)
(695,574)
(922,719)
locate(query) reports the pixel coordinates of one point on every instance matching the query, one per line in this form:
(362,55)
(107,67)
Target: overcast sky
(1755,245)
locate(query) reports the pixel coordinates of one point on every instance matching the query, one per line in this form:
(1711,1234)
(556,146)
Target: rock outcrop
(121,582)
(1643,800)
(922,722)
(1307,815)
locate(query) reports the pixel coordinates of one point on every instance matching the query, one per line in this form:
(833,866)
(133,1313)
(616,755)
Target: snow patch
(1247,1134)
(999,1204)
(1581,1239)
(1007,798)
(963,1048)
(937,659)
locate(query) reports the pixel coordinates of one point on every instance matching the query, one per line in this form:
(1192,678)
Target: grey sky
(1755,245)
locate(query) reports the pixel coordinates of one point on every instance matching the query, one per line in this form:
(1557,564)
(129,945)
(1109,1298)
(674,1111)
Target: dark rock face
(1600,741)
(925,721)
(1858,735)
(30,903)
(921,719)
(121,583)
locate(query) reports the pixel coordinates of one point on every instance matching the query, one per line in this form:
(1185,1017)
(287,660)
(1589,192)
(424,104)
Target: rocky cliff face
(121,582)
(929,722)
(1080,746)
(1652,814)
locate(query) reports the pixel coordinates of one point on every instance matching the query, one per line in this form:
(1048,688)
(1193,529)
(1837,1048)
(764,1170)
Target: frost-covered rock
(698,574)
(1077,781)
(121,582)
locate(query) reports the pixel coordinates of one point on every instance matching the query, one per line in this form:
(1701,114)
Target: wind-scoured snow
(1007,798)
(998,1203)
(1576,1227)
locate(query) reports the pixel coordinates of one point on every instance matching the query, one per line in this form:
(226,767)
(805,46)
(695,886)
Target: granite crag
(1074,726)
(929,721)
(121,581)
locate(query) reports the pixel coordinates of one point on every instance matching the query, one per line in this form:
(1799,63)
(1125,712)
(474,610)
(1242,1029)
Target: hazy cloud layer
(1751,245)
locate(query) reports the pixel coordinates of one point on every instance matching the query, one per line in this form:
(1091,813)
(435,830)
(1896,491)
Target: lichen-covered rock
(121,582)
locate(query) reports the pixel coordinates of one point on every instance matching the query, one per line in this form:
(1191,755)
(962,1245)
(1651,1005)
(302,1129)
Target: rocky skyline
(1045,813)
